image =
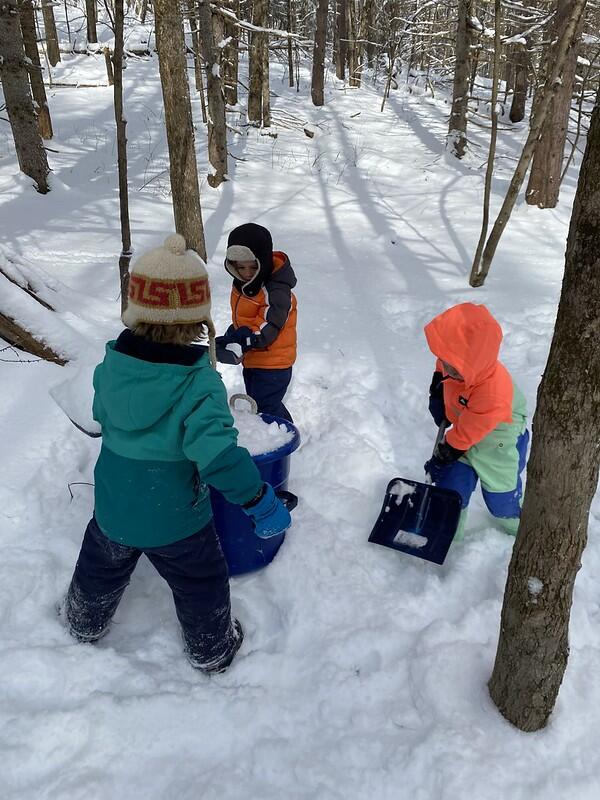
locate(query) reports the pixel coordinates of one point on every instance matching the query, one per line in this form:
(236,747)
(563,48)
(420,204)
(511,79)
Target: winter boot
(220,663)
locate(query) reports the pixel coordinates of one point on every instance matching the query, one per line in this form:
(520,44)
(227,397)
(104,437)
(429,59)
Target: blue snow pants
(267,387)
(195,570)
(506,505)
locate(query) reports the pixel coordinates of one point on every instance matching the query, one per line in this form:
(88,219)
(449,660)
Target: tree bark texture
(192,15)
(562,478)
(457,125)
(259,110)
(317,89)
(17,96)
(170,44)
(544,179)
(51,35)
(342,39)
(217,131)
(291,26)
(521,63)
(230,56)
(27,15)
(353,47)
(121,123)
(91,13)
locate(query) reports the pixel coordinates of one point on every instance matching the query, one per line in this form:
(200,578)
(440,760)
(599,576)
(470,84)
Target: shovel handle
(440,434)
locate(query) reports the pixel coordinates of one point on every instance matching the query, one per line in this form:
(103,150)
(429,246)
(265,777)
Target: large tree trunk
(121,123)
(259,109)
(521,64)
(217,132)
(50,32)
(457,125)
(170,44)
(562,478)
(17,96)
(544,180)
(91,13)
(27,15)
(317,90)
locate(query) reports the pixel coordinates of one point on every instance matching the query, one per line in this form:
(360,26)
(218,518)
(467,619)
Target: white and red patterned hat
(168,286)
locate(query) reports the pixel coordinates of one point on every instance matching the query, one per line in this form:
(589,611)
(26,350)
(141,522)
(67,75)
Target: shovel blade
(418,519)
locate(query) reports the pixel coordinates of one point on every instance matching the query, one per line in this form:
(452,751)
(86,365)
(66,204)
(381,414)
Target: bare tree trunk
(457,125)
(170,44)
(368,30)
(121,122)
(50,32)
(17,96)
(27,16)
(290,47)
(544,179)
(342,35)
(517,108)
(562,478)
(480,271)
(144,11)
(493,136)
(91,12)
(258,113)
(231,56)
(217,132)
(353,49)
(193,20)
(317,90)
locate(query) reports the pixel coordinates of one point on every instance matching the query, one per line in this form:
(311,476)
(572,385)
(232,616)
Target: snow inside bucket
(277,438)
(258,435)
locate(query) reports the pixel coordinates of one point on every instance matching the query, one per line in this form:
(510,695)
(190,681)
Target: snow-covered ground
(363,673)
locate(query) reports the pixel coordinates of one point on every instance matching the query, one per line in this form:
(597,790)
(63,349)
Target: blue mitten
(268,513)
(244,337)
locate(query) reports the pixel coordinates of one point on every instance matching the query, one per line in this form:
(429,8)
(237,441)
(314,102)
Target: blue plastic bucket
(244,550)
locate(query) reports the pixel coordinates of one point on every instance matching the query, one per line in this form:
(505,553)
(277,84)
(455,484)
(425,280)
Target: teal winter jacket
(166,434)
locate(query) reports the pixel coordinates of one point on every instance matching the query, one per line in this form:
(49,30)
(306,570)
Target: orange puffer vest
(263,310)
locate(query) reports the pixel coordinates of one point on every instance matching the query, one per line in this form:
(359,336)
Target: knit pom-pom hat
(169,286)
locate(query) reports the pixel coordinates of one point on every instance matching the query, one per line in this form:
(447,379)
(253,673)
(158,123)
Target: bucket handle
(241,396)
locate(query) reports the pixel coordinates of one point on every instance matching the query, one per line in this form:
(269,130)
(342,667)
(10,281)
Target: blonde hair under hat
(169,286)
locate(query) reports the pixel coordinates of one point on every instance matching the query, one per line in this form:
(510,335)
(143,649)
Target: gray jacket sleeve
(279,303)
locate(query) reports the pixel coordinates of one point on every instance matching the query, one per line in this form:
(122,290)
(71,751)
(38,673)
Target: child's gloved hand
(445,455)
(268,513)
(436,398)
(435,468)
(242,336)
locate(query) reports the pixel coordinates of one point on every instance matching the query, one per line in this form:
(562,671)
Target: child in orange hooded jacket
(476,394)
(263,309)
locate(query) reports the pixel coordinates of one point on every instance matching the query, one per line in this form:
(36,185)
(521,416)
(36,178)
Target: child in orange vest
(476,394)
(263,309)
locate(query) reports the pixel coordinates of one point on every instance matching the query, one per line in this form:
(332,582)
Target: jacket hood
(134,394)
(468,337)
(259,241)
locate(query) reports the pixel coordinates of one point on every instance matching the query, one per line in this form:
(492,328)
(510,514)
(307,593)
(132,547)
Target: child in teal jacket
(166,434)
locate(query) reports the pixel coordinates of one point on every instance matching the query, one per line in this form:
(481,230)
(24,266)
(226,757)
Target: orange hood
(468,337)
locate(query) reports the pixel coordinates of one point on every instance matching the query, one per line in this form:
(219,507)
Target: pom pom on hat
(175,243)
(168,286)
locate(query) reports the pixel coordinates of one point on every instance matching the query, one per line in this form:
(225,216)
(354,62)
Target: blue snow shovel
(418,518)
